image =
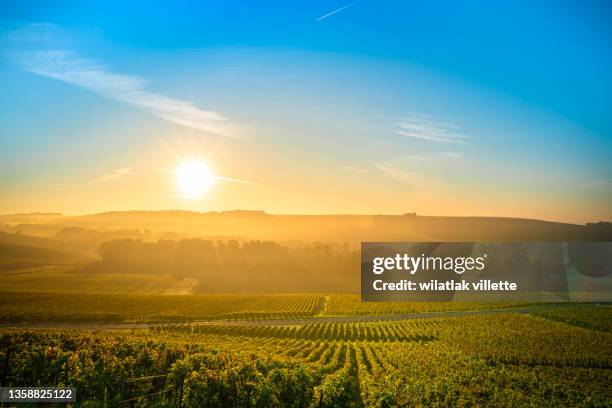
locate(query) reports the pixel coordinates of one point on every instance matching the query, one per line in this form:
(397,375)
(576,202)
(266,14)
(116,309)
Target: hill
(324,228)
(179,252)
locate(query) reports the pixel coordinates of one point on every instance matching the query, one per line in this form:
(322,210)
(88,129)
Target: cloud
(401,168)
(68,66)
(429,160)
(597,184)
(426,187)
(451,155)
(114,175)
(31,34)
(427,127)
(236,180)
(393,171)
(337,10)
(217,177)
(355,169)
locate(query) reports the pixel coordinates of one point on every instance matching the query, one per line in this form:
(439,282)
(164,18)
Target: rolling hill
(158,252)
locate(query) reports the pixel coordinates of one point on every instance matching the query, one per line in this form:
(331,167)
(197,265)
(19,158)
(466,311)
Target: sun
(194,178)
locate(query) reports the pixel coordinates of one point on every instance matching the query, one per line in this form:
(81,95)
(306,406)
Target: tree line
(243,266)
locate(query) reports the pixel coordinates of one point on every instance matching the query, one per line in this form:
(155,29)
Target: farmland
(596,318)
(76,308)
(345,304)
(52,307)
(460,361)
(145,317)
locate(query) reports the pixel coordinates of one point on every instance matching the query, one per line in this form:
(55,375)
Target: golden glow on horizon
(194,179)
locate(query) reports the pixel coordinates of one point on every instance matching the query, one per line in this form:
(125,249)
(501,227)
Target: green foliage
(487,360)
(352,305)
(64,307)
(598,317)
(55,307)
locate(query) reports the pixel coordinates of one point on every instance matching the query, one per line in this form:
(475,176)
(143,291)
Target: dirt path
(184,287)
(280,322)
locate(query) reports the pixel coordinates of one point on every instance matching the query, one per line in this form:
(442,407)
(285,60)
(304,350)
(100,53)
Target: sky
(469,108)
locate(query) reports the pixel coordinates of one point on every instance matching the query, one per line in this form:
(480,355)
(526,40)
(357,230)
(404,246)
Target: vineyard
(590,317)
(486,360)
(352,305)
(54,307)
(57,307)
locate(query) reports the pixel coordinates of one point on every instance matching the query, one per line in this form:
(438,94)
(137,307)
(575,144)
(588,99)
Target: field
(80,308)
(139,315)
(305,350)
(596,318)
(351,305)
(461,361)
(52,307)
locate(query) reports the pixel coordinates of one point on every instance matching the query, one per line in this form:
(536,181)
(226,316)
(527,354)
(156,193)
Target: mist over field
(175,252)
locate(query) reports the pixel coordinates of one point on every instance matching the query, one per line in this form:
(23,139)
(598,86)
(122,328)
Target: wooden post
(122,394)
(66,373)
(180,401)
(7,357)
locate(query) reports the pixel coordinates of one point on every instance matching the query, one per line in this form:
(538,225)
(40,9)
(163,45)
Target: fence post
(5,367)
(66,373)
(180,401)
(122,393)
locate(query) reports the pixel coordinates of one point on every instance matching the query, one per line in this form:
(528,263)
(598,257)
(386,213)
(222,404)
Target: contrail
(338,10)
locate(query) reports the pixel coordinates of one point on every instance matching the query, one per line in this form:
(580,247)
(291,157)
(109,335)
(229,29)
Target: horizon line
(301,214)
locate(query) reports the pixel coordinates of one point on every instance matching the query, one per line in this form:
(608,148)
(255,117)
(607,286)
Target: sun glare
(194,178)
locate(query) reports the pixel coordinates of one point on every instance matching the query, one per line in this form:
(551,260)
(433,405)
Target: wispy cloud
(31,34)
(235,180)
(400,170)
(68,66)
(355,169)
(217,177)
(393,171)
(337,10)
(432,158)
(427,127)
(598,183)
(450,155)
(114,175)
(420,170)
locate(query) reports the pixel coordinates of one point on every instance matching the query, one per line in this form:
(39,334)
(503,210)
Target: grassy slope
(34,264)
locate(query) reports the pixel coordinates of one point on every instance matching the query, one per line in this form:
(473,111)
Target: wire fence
(161,390)
(132,389)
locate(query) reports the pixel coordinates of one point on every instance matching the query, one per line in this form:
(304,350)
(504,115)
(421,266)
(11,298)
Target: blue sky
(472,108)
